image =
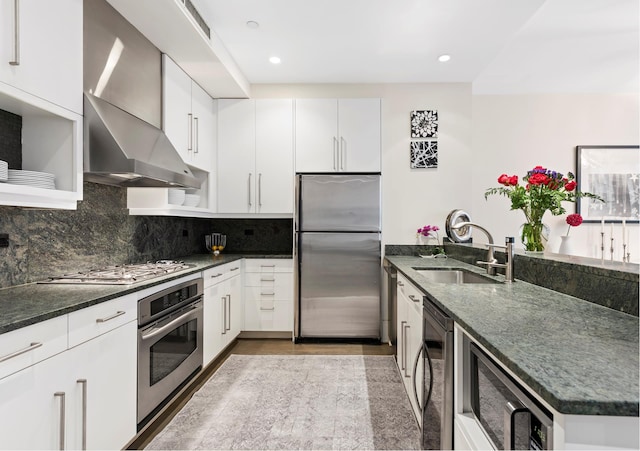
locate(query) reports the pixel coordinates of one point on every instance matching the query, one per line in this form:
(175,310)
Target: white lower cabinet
(222,308)
(268,295)
(82,397)
(409,342)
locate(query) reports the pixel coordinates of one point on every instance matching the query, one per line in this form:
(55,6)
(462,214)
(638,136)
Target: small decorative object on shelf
(574,220)
(544,190)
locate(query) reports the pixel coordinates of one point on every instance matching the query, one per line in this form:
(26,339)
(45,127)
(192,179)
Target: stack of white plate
(191,200)
(32,178)
(176,196)
(4,171)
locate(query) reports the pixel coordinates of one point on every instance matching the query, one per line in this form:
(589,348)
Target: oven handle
(510,409)
(170,324)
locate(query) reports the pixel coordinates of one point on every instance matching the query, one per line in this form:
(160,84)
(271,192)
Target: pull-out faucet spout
(492,262)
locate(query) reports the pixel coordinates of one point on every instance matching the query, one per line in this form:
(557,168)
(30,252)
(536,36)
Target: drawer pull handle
(235,269)
(31,347)
(109,318)
(267,279)
(61,395)
(213,276)
(400,284)
(413,298)
(271,293)
(267,309)
(267,266)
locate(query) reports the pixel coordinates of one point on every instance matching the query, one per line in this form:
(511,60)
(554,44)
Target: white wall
(411,197)
(512,134)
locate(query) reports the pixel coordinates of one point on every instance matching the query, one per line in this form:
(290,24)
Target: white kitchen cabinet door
(401,319)
(274,155)
(176,107)
(108,364)
(236,156)
(359,128)
(203,109)
(316,135)
(214,321)
(49,47)
(31,414)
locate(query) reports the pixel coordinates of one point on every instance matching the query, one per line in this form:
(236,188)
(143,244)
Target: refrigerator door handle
(335,153)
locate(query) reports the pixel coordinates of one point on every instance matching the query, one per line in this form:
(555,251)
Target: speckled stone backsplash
(45,243)
(613,287)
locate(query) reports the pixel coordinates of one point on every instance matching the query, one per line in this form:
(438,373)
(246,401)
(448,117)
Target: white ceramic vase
(566,246)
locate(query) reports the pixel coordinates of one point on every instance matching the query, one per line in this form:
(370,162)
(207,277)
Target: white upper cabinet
(41,49)
(41,81)
(255,156)
(337,135)
(188,116)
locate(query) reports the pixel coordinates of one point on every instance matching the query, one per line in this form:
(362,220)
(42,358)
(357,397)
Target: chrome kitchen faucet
(492,262)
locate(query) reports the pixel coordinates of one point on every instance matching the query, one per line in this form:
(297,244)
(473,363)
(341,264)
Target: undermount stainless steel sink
(453,275)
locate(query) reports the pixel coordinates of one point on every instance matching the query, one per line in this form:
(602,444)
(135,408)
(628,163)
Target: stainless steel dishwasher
(436,356)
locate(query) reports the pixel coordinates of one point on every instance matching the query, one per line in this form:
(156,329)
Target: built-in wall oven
(169,344)
(509,416)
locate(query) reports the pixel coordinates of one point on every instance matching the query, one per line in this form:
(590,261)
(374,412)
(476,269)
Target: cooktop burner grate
(122,274)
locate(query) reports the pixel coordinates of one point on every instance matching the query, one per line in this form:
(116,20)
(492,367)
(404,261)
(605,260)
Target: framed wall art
(424,154)
(424,124)
(613,173)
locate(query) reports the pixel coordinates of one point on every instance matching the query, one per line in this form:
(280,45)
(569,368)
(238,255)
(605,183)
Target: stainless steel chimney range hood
(121,149)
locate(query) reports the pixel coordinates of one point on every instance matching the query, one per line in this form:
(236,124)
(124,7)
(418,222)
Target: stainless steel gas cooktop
(122,274)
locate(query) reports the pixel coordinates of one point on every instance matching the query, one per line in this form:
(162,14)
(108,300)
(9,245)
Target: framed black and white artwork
(613,173)
(424,154)
(424,124)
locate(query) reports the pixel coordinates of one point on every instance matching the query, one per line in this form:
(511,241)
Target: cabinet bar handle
(249,190)
(267,279)
(224,315)
(190,134)
(405,350)
(234,269)
(271,293)
(400,284)
(83,382)
(413,298)
(16,34)
(267,309)
(61,395)
(404,345)
(335,153)
(259,189)
(197,135)
(267,266)
(109,318)
(213,276)
(229,312)
(31,347)
(343,152)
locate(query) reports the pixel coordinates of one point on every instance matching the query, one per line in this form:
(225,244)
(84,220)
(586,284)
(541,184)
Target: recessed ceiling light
(444,58)
(274,60)
(252,24)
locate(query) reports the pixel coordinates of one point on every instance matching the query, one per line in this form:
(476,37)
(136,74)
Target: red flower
(513,180)
(538,179)
(570,186)
(574,220)
(503,179)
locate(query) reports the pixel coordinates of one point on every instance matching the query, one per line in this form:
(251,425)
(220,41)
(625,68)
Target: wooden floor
(255,347)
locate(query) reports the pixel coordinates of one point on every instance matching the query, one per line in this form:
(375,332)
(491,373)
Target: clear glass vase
(534,236)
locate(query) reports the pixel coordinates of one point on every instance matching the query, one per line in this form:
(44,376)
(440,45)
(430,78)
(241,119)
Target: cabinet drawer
(98,319)
(268,265)
(278,293)
(268,315)
(410,292)
(219,273)
(269,280)
(39,341)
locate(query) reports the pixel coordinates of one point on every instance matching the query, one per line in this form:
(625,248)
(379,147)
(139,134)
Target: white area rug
(280,402)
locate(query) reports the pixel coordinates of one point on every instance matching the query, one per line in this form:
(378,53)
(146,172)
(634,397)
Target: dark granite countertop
(580,357)
(32,303)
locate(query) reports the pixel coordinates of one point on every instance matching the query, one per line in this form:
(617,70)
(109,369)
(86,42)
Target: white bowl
(191,200)
(176,196)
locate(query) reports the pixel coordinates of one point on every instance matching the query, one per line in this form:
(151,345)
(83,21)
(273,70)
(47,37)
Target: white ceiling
(501,46)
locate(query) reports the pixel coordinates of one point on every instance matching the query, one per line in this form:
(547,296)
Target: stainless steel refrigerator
(338,256)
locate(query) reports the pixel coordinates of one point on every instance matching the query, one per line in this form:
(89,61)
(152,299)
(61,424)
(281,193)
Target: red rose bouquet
(544,190)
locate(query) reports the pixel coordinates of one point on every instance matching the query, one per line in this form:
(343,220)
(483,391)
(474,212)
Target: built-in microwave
(509,416)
